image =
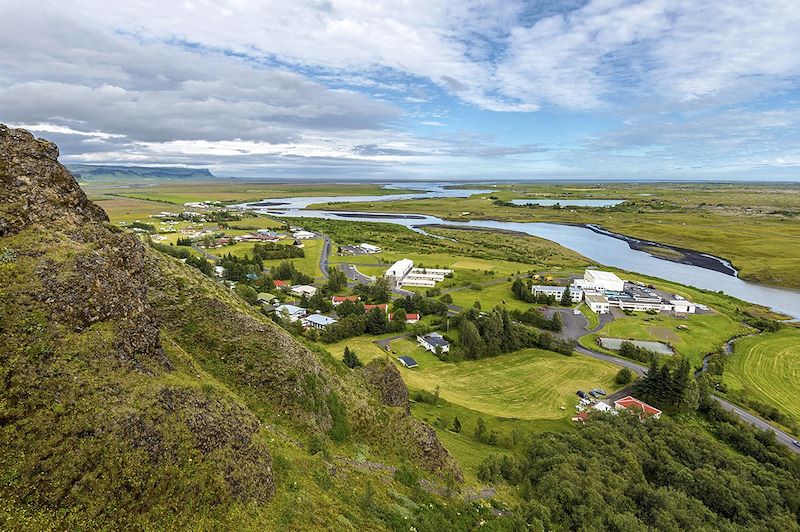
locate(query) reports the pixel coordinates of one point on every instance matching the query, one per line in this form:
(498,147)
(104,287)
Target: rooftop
(319,319)
(435,340)
(633,403)
(408,361)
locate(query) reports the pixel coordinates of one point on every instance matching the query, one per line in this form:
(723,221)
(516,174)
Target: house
(369,248)
(304,235)
(597,303)
(383,306)
(408,362)
(317,321)
(303,290)
(575,292)
(281,284)
(410,318)
(298,244)
(290,312)
(426,277)
(338,300)
(265,298)
(434,341)
(640,407)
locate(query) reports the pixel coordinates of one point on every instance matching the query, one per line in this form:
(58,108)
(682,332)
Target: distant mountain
(93,172)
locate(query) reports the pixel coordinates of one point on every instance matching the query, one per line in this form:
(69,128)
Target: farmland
(766,368)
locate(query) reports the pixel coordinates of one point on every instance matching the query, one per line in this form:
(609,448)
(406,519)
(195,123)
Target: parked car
(599,391)
(576,312)
(796,442)
(594,394)
(581,394)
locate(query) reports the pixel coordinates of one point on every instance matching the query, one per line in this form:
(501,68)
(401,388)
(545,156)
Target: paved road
(205,253)
(323,258)
(353,274)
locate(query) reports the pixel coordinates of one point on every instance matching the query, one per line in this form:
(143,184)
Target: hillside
(96,172)
(138,393)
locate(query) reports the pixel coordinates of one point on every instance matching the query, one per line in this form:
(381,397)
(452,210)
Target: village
(348,296)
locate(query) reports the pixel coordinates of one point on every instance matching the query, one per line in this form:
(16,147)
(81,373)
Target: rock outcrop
(34,188)
(385,377)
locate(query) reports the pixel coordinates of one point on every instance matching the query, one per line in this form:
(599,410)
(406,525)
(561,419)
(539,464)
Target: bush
(624,376)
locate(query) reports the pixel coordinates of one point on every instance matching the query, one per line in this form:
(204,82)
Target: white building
(601,281)
(290,312)
(369,248)
(434,341)
(301,290)
(597,303)
(682,306)
(575,292)
(397,271)
(317,321)
(304,235)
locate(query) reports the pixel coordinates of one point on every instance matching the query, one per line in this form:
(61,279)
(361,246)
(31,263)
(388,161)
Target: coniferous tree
(377,321)
(566,298)
(351,359)
(456,425)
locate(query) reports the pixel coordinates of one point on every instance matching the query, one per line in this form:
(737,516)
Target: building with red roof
(282,284)
(410,318)
(640,407)
(383,306)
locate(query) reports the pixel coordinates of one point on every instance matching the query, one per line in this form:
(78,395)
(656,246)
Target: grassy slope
(767,368)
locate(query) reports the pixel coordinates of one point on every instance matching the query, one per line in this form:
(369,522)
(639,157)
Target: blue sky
(428,90)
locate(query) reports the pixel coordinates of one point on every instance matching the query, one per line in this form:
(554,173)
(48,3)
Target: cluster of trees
(523,291)
(629,350)
(184,241)
(271,251)
(616,473)
(489,334)
(377,292)
(674,388)
(150,228)
(358,322)
(288,271)
(239,268)
(192,260)
(536,318)
(419,304)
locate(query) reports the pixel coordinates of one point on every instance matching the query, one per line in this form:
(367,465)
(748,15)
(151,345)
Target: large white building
(601,281)
(403,273)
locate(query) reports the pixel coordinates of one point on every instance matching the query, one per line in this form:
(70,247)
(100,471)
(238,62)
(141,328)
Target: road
(205,253)
(323,258)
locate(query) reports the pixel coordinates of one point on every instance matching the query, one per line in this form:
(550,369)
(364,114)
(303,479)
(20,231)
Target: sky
(428,90)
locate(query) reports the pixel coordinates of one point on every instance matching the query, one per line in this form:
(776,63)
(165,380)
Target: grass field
(130,210)
(232,191)
(528,384)
(767,368)
(704,333)
(489,297)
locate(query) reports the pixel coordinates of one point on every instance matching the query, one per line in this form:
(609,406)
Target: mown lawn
(308,264)
(704,333)
(528,384)
(767,368)
(489,297)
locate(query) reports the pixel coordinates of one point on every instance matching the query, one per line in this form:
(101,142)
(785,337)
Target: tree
(624,376)
(566,298)
(480,430)
(248,293)
(456,425)
(351,359)
(337,280)
(447,299)
(398,321)
(377,321)
(471,340)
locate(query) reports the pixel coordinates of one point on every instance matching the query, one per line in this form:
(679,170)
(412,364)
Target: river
(602,248)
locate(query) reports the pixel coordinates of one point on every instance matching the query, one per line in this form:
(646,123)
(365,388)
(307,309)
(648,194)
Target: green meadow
(766,368)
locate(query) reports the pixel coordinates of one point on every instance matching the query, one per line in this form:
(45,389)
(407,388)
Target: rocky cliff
(136,392)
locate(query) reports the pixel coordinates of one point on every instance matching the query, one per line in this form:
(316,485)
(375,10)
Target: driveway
(323,259)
